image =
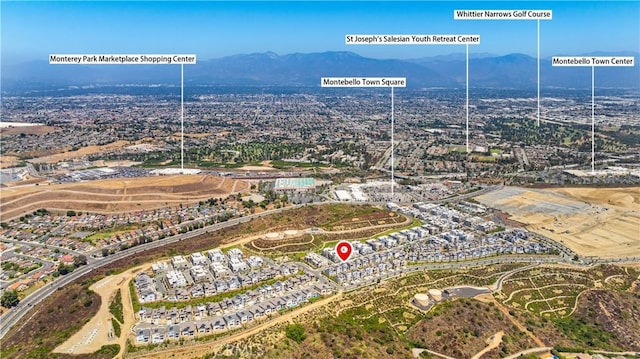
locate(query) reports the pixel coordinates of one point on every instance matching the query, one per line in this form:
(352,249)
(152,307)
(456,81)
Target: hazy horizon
(33,30)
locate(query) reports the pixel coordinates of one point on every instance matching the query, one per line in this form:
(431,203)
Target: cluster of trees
(64,269)
(295,332)
(9,299)
(38,212)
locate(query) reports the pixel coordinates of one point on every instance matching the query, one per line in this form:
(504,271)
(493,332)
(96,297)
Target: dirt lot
(95,333)
(8,161)
(65,156)
(28,130)
(116,195)
(602,222)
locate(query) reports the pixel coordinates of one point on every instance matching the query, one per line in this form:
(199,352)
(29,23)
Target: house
(144,314)
(66,259)
(201,310)
(232,320)
(197,259)
(221,286)
(158,313)
(219,270)
(185,313)
(147,296)
(197,291)
(300,297)
(179,262)
(236,264)
(187,329)
(290,301)
(209,289)
(172,315)
(235,252)
(143,335)
(245,316)
(279,303)
(175,279)
(257,312)
(158,334)
(268,307)
(218,323)
(216,255)
(203,327)
(20,285)
(173,331)
(213,309)
(255,261)
(199,274)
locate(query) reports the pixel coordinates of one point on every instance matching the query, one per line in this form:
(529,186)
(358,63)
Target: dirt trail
(198,350)
(93,335)
(129,318)
(488,298)
(494,341)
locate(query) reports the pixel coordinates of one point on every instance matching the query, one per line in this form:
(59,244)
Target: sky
(30,30)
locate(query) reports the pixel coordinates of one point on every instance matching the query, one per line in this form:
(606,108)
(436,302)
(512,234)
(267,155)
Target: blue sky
(32,30)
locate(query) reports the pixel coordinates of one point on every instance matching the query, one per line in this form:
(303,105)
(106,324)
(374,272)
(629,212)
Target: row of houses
(180,285)
(380,256)
(150,333)
(196,282)
(237,302)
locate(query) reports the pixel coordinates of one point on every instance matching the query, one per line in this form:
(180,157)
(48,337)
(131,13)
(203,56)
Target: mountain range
(513,71)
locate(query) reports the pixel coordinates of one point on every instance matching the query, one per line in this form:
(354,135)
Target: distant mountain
(520,71)
(307,69)
(269,69)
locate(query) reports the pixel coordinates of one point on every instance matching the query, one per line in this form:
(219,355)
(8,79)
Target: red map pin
(343,249)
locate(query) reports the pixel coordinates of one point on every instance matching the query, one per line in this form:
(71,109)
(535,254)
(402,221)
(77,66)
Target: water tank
(436,294)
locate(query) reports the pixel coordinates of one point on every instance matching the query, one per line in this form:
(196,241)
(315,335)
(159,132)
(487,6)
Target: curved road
(13,315)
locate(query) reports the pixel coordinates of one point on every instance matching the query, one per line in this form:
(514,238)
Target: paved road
(44,245)
(529,351)
(45,266)
(457,265)
(13,315)
(498,284)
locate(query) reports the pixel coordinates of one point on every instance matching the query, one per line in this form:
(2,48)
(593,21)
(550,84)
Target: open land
(602,222)
(8,161)
(53,327)
(96,332)
(28,130)
(116,195)
(84,151)
(381,322)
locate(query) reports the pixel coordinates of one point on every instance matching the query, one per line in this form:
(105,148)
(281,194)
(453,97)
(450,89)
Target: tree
(80,260)
(64,269)
(9,299)
(105,252)
(295,332)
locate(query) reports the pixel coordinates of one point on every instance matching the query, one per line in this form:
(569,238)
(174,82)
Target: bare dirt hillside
(116,195)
